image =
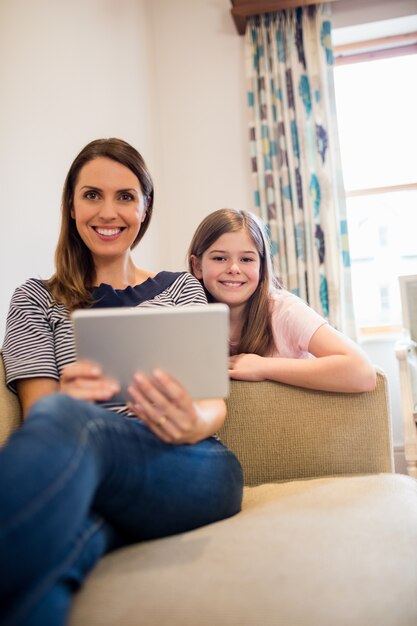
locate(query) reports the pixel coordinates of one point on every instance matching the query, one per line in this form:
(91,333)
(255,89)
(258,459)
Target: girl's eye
(247,259)
(218,258)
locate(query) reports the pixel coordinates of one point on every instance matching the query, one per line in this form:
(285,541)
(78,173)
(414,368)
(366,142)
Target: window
(377,120)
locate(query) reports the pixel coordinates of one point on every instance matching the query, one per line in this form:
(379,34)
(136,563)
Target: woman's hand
(170,412)
(247,367)
(84,380)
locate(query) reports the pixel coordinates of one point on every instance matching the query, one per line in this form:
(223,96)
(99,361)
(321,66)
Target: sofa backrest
(280,432)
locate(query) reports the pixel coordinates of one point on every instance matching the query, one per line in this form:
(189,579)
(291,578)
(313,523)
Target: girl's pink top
(293,325)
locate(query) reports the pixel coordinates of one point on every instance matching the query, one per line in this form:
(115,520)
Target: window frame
(361,52)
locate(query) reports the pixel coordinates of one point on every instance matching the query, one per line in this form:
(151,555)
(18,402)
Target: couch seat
(334,551)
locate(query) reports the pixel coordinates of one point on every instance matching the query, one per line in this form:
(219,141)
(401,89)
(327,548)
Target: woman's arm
(29,390)
(340,365)
(170,412)
(82,380)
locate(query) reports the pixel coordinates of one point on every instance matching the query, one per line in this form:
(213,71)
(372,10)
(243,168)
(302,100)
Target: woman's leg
(162,489)
(71,459)
(49,470)
(48,599)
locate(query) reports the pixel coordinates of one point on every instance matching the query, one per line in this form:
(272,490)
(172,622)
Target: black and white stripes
(39,338)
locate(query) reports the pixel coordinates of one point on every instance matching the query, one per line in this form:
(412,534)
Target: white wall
(70,71)
(201,100)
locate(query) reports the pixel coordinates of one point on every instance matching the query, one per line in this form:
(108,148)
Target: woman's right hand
(84,380)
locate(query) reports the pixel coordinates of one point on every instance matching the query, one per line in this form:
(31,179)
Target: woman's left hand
(170,412)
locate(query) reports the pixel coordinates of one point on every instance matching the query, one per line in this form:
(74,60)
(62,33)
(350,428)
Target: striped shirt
(39,339)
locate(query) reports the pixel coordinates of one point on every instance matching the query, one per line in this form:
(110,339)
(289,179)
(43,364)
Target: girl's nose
(234,268)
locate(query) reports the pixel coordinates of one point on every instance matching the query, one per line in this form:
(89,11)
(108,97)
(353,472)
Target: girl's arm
(82,380)
(340,365)
(170,412)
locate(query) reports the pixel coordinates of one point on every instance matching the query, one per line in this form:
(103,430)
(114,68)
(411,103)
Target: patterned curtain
(298,186)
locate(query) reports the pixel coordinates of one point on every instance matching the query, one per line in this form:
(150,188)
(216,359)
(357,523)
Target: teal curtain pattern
(295,158)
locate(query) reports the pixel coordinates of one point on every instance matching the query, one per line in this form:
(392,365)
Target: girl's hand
(85,381)
(170,412)
(247,367)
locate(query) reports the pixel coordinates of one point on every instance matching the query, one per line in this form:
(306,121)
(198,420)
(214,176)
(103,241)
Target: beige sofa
(327,535)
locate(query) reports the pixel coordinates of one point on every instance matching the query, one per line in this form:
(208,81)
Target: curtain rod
(243,9)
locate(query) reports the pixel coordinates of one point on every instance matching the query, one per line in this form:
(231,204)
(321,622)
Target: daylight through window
(377,120)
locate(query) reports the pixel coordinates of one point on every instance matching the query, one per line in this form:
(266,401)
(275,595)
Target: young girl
(274,333)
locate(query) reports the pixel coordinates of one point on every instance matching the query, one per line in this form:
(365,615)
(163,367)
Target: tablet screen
(189,342)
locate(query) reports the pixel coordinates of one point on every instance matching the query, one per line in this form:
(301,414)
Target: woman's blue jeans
(76,481)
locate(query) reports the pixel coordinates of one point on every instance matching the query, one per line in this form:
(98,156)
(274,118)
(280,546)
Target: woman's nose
(107,210)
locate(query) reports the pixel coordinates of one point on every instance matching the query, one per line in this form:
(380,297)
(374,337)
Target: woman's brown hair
(74,267)
(256,336)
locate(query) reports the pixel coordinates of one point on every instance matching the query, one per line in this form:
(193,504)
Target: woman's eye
(91,195)
(126,196)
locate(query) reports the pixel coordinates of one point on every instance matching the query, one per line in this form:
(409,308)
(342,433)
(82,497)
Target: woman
(89,479)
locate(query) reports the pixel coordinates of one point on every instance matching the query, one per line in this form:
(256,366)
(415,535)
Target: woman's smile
(107,233)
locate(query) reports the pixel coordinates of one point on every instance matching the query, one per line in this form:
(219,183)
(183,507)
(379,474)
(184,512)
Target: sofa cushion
(315,552)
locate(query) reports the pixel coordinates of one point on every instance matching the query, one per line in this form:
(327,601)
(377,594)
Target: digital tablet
(189,342)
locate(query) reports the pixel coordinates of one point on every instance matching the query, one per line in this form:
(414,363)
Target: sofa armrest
(280,432)
(10,410)
(406,353)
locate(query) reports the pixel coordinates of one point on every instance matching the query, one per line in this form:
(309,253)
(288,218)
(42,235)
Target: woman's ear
(196,266)
(145,208)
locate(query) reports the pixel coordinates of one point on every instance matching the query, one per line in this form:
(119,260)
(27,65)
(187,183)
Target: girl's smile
(230,284)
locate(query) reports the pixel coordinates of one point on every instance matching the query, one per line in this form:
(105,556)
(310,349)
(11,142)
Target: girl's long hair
(256,336)
(74,267)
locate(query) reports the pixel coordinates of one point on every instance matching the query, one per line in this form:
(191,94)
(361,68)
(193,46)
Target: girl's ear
(196,266)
